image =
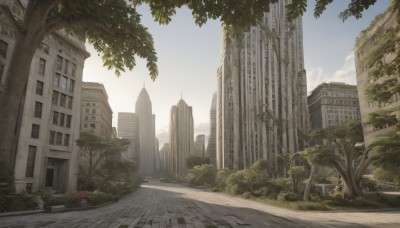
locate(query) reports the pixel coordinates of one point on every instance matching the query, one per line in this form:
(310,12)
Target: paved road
(168,205)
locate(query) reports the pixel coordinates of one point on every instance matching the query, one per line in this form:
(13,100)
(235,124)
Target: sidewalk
(15,213)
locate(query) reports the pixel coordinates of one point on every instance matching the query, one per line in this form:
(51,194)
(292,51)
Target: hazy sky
(188,58)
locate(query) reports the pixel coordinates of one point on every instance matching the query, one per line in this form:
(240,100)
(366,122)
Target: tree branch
(339,167)
(6,12)
(365,162)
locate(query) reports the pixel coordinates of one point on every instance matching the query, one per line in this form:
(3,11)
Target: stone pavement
(169,205)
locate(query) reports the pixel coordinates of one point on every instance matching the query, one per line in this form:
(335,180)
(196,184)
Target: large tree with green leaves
(94,151)
(115,30)
(352,158)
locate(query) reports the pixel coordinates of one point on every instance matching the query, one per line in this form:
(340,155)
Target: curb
(16,213)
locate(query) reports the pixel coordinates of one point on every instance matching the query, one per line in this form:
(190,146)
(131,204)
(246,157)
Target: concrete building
(147,127)
(262,94)
(96,113)
(157,155)
(364,45)
(165,158)
(128,128)
(181,136)
(199,146)
(333,104)
(47,156)
(211,151)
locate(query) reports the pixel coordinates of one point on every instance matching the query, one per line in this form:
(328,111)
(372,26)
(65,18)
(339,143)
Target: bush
(201,175)
(18,202)
(312,206)
(289,196)
(222,176)
(247,195)
(68,200)
(98,198)
(118,188)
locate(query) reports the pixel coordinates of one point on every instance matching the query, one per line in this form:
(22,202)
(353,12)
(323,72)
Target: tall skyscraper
(165,159)
(181,136)
(128,128)
(332,104)
(211,151)
(46,155)
(262,95)
(364,46)
(147,126)
(96,113)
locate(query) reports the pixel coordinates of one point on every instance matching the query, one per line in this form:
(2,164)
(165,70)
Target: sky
(188,58)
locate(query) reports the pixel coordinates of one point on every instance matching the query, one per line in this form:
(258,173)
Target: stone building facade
(211,150)
(181,136)
(262,75)
(147,136)
(363,47)
(96,113)
(332,104)
(47,156)
(128,128)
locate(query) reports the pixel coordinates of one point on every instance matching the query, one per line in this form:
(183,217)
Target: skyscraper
(128,128)
(262,95)
(212,139)
(181,136)
(143,110)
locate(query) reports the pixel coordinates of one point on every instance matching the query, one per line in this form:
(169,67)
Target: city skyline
(189,57)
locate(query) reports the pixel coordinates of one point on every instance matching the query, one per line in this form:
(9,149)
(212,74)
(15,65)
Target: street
(158,204)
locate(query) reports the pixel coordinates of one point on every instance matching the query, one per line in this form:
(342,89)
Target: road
(158,204)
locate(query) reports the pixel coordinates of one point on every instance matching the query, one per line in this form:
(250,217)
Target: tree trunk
(13,95)
(351,187)
(310,182)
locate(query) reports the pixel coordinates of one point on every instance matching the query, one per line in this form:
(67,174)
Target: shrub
(118,188)
(201,175)
(247,195)
(222,176)
(98,198)
(18,202)
(312,206)
(68,200)
(288,196)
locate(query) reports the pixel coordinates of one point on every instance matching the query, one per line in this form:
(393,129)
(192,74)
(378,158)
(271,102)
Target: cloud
(346,74)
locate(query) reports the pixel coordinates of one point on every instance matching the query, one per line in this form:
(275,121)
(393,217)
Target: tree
(353,158)
(319,155)
(193,160)
(115,30)
(94,150)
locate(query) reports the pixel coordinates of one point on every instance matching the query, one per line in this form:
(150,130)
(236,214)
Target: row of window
(93,111)
(62,119)
(63,65)
(56,138)
(62,83)
(61,99)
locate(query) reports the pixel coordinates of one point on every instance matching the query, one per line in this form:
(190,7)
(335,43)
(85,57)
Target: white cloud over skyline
(346,74)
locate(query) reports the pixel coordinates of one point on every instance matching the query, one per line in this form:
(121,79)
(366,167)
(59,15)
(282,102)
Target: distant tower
(181,137)
(211,151)
(128,128)
(147,133)
(199,146)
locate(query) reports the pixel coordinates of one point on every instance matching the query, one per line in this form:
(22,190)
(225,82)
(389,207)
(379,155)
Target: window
(52,137)
(86,117)
(87,110)
(57,80)
(63,82)
(45,48)
(73,71)
(30,164)
(93,118)
(94,111)
(85,125)
(42,66)
(69,102)
(71,85)
(62,118)
(38,109)
(59,62)
(59,138)
(66,63)
(35,131)
(39,87)
(93,126)
(68,122)
(63,100)
(66,140)
(54,99)
(1,71)
(87,104)
(3,49)
(55,118)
